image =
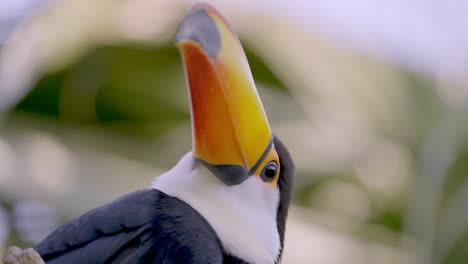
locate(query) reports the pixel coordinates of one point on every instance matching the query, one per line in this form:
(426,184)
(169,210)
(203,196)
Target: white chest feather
(243,216)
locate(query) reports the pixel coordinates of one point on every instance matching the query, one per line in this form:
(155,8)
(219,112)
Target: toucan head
(231,136)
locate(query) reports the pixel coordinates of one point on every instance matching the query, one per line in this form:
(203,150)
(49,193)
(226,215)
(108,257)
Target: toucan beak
(231,134)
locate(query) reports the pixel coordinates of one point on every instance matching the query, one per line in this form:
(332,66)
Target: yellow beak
(231,134)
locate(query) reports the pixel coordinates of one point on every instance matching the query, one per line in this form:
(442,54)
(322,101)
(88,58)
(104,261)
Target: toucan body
(226,201)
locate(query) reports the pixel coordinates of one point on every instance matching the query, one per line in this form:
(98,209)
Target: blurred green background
(94,105)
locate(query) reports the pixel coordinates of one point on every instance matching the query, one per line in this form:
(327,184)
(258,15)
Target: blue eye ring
(269,172)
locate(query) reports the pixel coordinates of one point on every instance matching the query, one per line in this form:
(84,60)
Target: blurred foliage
(123,88)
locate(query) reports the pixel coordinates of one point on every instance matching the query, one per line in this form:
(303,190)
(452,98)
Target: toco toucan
(226,201)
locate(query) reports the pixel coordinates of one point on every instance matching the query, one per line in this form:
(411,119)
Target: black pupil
(270,171)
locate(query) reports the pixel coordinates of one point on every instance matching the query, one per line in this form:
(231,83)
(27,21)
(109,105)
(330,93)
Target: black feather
(145,226)
(285,185)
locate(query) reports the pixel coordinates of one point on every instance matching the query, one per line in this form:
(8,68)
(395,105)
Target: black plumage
(145,226)
(285,184)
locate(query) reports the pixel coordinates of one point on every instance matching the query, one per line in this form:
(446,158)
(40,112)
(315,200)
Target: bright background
(369,96)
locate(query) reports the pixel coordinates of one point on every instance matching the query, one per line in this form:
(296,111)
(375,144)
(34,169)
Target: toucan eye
(269,171)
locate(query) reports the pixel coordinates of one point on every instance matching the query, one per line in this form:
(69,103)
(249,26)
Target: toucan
(226,201)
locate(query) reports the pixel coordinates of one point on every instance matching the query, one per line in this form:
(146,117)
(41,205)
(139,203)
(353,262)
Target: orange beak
(231,134)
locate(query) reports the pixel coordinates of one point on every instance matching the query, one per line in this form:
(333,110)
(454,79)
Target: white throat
(243,216)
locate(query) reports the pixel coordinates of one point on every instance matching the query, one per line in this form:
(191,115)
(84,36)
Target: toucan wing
(145,226)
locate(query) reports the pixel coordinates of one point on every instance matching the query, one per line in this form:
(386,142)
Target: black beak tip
(199,26)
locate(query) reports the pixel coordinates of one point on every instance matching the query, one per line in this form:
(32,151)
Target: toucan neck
(242,216)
